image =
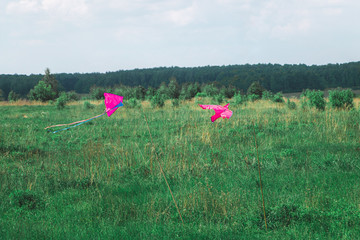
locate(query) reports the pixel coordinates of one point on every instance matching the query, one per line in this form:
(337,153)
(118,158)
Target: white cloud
(23,6)
(59,8)
(183,16)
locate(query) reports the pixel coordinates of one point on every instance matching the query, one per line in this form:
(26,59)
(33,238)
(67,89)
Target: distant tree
(49,79)
(13,96)
(256,89)
(97,92)
(42,92)
(158,100)
(173,88)
(150,92)
(163,90)
(210,90)
(46,89)
(1,95)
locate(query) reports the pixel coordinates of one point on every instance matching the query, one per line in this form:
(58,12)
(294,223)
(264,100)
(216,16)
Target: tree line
(273,77)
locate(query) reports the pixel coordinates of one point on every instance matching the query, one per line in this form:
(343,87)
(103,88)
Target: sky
(86,36)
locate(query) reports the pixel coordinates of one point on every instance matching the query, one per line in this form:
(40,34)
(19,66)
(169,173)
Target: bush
(218,98)
(291,105)
(201,94)
(132,103)
(253,97)
(278,97)
(72,96)
(239,99)
(341,99)
(97,92)
(313,98)
(61,101)
(267,95)
(157,101)
(256,89)
(42,92)
(12,97)
(175,102)
(88,105)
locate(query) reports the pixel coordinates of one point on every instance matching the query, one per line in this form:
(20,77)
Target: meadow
(101,180)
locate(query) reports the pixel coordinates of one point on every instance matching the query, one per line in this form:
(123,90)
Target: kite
(220,111)
(112,102)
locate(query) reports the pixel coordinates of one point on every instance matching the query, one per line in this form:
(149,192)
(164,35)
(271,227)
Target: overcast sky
(109,35)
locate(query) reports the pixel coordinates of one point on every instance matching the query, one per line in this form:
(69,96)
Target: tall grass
(101,180)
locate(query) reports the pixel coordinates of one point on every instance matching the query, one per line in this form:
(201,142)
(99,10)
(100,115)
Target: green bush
(218,98)
(253,97)
(239,99)
(72,96)
(278,97)
(175,102)
(157,101)
(132,103)
(291,105)
(255,89)
(267,95)
(341,99)
(61,101)
(88,105)
(313,98)
(42,92)
(12,97)
(97,92)
(201,94)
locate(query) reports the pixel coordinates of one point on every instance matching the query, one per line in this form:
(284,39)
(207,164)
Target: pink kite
(112,102)
(220,111)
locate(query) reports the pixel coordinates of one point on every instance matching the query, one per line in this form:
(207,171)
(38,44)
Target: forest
(273,77)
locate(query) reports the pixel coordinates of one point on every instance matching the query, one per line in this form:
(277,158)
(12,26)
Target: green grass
(101,180)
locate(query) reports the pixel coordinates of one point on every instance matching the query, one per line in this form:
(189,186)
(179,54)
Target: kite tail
(79,122)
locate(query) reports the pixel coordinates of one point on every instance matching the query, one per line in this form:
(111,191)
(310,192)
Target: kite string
(81,121)
(162,171)
(78,122)
(261,188)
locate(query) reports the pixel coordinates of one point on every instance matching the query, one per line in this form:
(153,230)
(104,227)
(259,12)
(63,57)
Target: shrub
(97,92)
(12,97)
(175,102)
(72,96)
(42,92)
(278,97)
(61,101)
(218,98)
(255,89)
(201,94)
(132,103)
(267,95)
(291,105)
(341,98)
(313,98)
(253,97)
(157,101)
(239,99)
(88,105)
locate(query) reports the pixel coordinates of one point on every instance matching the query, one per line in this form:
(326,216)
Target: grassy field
(101,180)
